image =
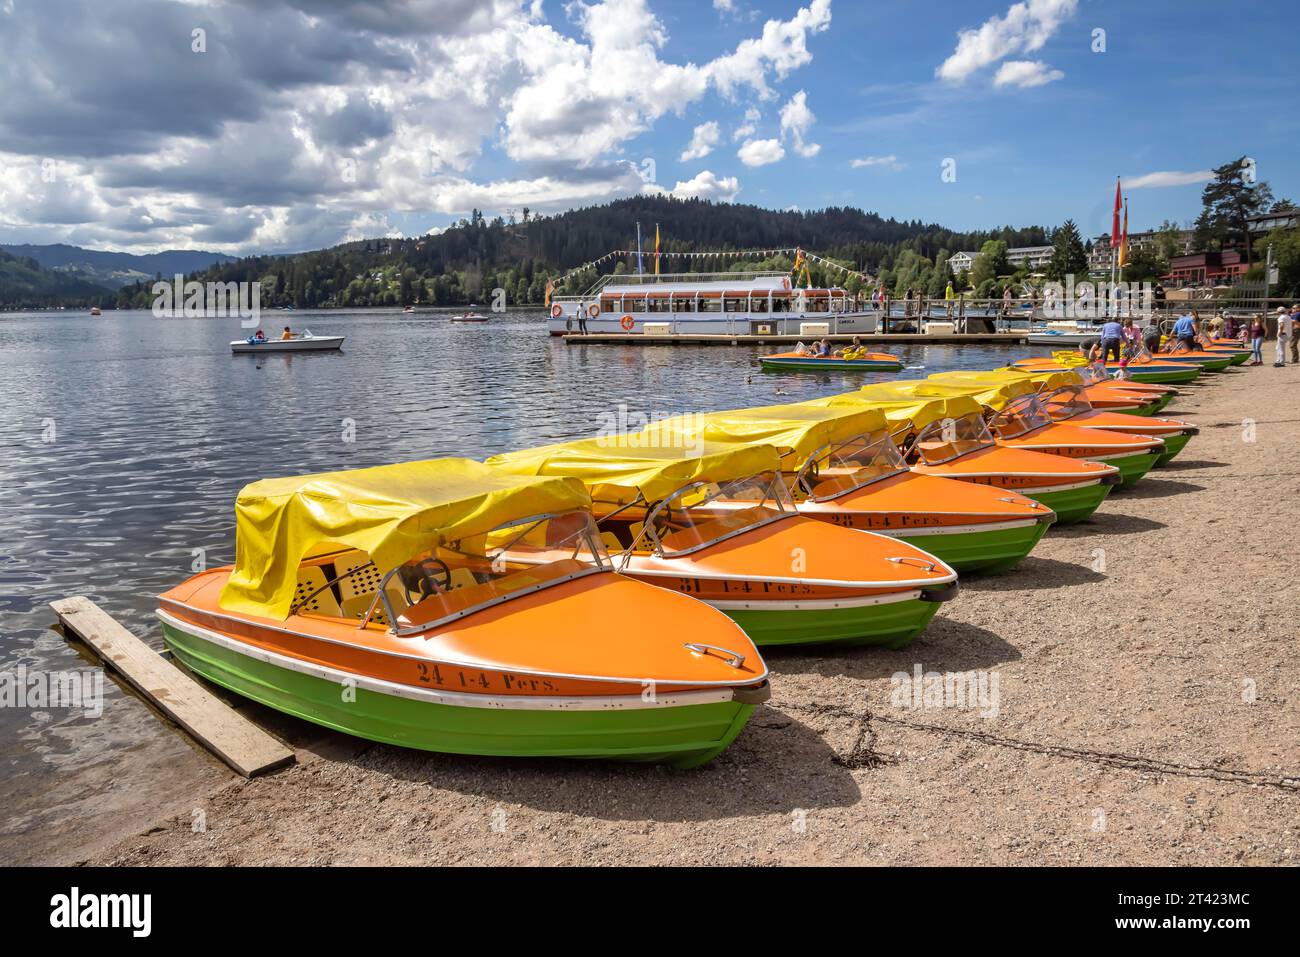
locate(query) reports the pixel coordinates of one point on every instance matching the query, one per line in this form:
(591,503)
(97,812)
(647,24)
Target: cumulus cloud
(796,121)
(1025,73)
(304,121)
(749,127)
(702,142)
(705,185)
(1024,28)
(1166,178)
(761,152)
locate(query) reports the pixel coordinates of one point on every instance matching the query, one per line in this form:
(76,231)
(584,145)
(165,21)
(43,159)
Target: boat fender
(556,311)
(944,593)
(593,311)
(752,694)
(1115,479)
(627,322)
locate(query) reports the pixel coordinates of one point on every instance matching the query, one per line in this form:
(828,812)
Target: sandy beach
(1147,681)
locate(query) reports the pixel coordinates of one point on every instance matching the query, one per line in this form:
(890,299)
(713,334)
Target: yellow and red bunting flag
(656,249)
(1114,219)
(1123,239)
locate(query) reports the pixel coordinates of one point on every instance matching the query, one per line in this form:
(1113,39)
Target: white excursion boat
(304,343)
(735,303)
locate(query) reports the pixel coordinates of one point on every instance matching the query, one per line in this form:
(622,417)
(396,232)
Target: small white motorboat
(470,317)
(304,343)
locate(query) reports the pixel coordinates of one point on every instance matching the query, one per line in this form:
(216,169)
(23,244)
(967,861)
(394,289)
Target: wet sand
(1147,715)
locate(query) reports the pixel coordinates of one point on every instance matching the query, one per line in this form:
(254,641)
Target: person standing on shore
(1185,330)
(582,318)
(948,296)
(1257,332)
(1295,328)
(1111,336)
(1283,335)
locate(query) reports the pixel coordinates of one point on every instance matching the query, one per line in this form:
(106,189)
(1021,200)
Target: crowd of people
(1121,339)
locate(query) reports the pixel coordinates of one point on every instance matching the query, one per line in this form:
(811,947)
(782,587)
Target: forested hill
(468,260)
(25,284)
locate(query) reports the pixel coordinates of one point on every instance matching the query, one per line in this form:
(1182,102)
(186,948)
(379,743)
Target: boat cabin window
(1066,402)
(683,303)
(610,303)
(657,304)
(946,439)
(634,304)
(1021,415)
(758,303)
(710,303)
(780,303)
(835,470)
(454,578)
(705,513)
(734,304)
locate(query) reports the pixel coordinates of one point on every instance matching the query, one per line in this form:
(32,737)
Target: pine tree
(1068,255)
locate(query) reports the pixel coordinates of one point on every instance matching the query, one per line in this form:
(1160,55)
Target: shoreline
(1127,742)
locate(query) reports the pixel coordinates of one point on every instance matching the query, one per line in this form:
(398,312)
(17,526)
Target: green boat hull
(1074,504)
(987,552)
(1173,445)
(1214,365)
(1133,467)
(865,365)
(1171,376)
(684,736)
(892,624)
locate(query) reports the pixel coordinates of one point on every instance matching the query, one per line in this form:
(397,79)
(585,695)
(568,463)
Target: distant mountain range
(110,270)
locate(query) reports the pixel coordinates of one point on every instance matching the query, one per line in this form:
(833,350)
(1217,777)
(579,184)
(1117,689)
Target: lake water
(126,439)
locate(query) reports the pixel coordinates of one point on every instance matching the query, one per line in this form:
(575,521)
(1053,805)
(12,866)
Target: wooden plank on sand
(229,735)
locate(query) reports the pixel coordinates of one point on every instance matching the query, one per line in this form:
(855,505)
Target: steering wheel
(429,570)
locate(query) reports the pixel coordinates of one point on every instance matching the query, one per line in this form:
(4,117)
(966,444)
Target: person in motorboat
(259,336)
(1123,372)
(286,335)
(823,348)
(1131,336)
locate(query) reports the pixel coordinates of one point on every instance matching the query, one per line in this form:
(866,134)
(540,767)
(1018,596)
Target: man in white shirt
(1283,336)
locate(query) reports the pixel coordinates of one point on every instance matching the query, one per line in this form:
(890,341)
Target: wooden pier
(724,339)
(225,732)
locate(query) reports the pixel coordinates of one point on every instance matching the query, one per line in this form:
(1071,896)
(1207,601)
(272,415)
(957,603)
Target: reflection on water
(126,439)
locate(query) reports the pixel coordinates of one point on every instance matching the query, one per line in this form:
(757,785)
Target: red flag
(1114,222)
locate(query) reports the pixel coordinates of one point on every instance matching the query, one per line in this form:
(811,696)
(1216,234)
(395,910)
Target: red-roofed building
(1206,269)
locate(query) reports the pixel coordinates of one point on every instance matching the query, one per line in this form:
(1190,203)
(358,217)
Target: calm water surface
(126,439)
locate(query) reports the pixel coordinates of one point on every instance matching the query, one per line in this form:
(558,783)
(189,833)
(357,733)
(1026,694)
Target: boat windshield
(832,471)
(946,439)
(1020,416)
(704,513)
(1066,402)
(514,559)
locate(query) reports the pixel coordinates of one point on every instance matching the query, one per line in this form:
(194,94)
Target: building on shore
(1222,268)
(1035,257)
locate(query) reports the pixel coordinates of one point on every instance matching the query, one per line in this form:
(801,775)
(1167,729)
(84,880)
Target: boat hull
(987,551)
(812,362)
(891,621)
(683,735)
(318,344)
(1072,504)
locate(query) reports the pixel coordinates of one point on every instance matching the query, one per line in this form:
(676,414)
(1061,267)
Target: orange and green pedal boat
(717,523)
(948,438)
(1141,369)
(842,467)
(1069,404)
(1018,420)
(445,606)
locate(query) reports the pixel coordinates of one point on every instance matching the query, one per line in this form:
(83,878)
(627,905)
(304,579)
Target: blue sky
(285,125)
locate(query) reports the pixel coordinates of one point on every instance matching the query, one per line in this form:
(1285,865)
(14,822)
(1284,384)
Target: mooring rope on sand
(864,755)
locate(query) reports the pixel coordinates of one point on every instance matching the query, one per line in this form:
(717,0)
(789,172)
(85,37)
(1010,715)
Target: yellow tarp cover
(1048,380)
(391,512)
(796,430)
(640,462)
(987,388)
(901,405)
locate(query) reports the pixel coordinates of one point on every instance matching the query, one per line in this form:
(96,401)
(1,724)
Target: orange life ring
(627,322)
(556,311)
(593,310)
